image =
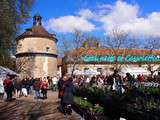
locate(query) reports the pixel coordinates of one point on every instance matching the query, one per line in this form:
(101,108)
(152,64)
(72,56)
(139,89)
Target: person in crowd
(67,100)
(87,80)
(74,78)
(8,86)
(36,88)
(105,79)
(61,83)
(1,88)
(44,88)
(28,85)
(54,83)
(93,81)
(31,82)
(140,78)
(117,81)
(61,86)
(157,78)
(18,86)
(110,82)
(130,79)
(24,87)
(49,80)
(100,81)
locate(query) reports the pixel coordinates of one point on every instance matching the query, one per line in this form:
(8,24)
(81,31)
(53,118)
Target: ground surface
(26,108)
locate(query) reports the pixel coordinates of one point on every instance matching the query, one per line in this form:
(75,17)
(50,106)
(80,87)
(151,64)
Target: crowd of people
(40,86)
(27,86)
(66,86)
(115,80)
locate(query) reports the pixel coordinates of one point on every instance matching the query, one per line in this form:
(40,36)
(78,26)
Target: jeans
(9,95)
(54,87)
(36,94)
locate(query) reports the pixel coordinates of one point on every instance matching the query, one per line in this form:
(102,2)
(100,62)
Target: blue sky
(99,17)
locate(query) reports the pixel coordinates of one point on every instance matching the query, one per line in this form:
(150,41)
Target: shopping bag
(61,94)
(24,91)
(5,96)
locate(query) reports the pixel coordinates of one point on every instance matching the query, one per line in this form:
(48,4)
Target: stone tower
(36,51)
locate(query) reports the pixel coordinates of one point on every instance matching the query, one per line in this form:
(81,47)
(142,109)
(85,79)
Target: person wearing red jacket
(140,78)
(44,87)
(8,87)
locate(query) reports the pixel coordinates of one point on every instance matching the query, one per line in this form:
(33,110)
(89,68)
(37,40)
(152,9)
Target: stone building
(103,60)
(36,51)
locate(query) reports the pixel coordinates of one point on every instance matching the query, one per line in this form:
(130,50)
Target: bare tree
(118,42)
(72,50)
(25,65)
(152,44)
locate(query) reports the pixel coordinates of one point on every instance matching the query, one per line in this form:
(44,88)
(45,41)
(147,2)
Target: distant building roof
(107,51)
(37,30)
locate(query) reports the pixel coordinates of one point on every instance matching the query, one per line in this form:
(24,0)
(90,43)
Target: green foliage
(88,105)
(83,103)
(152,104)
(98,110)
(144,99)
(149,90)
(13,13)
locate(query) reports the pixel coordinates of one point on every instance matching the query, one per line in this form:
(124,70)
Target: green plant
(83,103)
(98,110)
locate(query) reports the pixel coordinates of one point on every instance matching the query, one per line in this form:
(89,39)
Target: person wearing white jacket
(54,82)
(1,88)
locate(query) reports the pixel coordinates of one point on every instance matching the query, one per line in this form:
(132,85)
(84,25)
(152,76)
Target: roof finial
(37,20)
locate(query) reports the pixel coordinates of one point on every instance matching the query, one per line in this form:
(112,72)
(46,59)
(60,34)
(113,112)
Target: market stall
(134,71)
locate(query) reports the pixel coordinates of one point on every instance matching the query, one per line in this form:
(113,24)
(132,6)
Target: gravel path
(26,108)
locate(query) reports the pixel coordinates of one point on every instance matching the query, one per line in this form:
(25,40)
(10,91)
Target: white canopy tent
(134,71)
(78,72)
(3,72)
(91,72)
(86,72)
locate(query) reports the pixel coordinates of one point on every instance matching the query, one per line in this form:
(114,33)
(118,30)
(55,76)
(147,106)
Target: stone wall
(39,65)
(36,44)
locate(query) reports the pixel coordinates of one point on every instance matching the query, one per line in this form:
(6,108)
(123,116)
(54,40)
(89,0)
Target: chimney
(37,20)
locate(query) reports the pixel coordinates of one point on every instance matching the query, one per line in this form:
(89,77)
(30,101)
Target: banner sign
(127,58)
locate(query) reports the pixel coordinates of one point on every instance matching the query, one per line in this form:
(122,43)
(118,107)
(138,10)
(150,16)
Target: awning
(4,71)
(134,71)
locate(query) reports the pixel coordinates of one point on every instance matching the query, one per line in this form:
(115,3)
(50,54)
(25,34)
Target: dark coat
(110,80)
(69,91)
(24,83)
(18,85)
(60,84)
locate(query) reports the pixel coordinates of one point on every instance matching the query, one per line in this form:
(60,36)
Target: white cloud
(123,15)
(86,13)
(126,17)
(69,24)
(105,6)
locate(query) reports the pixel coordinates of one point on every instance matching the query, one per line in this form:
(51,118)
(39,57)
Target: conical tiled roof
(37,30)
